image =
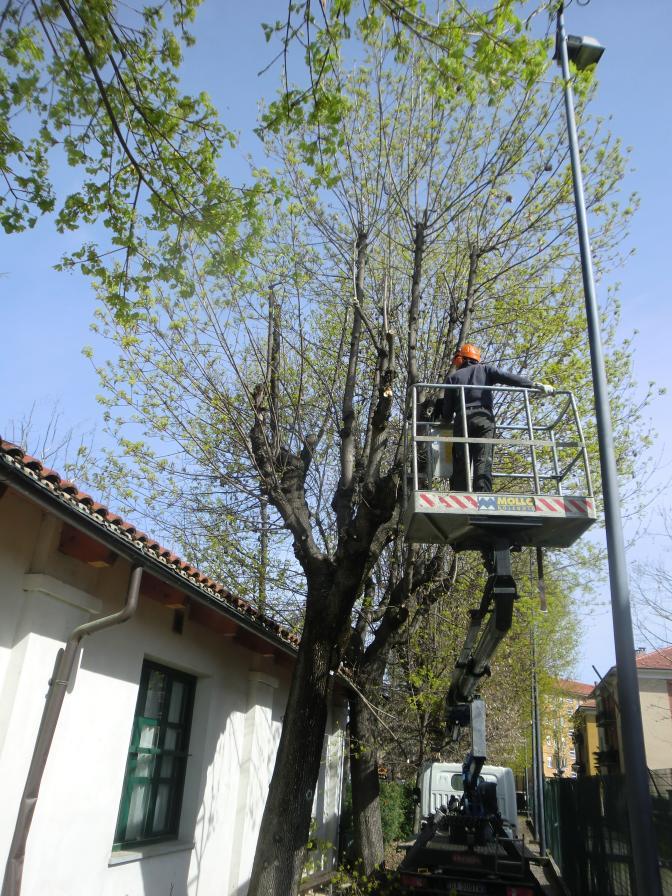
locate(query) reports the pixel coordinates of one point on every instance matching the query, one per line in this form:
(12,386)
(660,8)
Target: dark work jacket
(477,375)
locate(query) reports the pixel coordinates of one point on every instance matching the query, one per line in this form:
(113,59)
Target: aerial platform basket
(542,495)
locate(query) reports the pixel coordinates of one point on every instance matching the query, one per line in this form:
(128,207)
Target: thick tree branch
(343,498)
(283,480)
(474,257)
(414,308)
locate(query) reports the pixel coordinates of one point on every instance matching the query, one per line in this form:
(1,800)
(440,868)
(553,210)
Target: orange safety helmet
(467,351)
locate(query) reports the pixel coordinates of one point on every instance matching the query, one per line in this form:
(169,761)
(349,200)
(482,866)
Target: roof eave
(23,483)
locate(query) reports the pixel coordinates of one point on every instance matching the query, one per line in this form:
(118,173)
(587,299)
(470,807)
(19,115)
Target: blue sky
(45,315)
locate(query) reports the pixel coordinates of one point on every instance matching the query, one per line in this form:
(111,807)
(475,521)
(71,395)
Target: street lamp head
(583,51)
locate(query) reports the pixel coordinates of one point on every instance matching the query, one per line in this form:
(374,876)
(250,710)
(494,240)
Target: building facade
(558,745)
(586,739)
(654,678)
(157,775)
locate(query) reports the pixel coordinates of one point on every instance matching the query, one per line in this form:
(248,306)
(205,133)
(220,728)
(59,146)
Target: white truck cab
(441,780)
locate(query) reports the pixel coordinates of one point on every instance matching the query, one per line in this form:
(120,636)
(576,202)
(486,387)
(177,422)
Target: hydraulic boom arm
(474,659)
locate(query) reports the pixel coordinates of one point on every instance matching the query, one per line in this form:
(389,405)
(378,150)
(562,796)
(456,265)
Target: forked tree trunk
(286,821)
(367,827)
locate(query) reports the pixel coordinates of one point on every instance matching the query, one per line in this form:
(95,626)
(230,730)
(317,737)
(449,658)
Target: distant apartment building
(558,736)
(586,739)
(654,676)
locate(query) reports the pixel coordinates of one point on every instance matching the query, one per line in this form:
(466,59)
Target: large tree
(420,199)
(269,399)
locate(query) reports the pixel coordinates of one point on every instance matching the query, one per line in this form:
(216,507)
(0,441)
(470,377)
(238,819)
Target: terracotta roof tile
(655,659)
(575,688)
(11,450)
(71,494)
(50,475)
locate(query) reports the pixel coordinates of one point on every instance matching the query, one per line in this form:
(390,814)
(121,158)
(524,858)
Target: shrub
(396,810)
(397,802)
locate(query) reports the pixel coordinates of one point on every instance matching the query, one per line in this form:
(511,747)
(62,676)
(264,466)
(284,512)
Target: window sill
(149,851)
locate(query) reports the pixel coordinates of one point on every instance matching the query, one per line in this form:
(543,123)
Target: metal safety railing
(538,445)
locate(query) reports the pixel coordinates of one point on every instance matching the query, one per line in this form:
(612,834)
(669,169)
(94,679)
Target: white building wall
(326,809)
(260,741)
(656,703)
(15,555)
(240,698)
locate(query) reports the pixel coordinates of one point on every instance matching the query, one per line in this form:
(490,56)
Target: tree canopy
(265,402)
(417,193)
(95,86)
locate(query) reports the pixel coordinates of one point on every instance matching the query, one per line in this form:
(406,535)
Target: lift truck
(464,847)
(543,498)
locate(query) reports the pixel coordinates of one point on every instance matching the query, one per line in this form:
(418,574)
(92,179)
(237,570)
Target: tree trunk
(417,808)
(367,826)
(285,824)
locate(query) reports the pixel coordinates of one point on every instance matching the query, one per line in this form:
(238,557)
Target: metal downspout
(63,671)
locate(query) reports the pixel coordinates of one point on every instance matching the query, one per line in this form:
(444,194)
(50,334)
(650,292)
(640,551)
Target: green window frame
(157,757)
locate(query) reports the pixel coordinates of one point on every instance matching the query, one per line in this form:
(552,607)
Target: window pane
(156,692)
(149,735)
(137,811)
(144,766)
(170,740)
(167,766)
(161,808)
(175,711)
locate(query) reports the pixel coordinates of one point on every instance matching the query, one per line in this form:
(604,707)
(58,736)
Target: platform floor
(472,521)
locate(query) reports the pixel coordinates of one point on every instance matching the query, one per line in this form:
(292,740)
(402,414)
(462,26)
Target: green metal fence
(661,798)
(588,836)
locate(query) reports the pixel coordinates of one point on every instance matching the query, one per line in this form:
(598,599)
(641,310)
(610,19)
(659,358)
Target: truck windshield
(456,782)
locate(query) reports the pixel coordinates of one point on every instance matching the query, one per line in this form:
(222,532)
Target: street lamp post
(645,857)
(538,758)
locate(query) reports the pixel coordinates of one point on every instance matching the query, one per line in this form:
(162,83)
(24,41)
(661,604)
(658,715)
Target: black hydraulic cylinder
(500,592)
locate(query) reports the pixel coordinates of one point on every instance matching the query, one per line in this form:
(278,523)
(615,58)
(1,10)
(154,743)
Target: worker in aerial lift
(480,418)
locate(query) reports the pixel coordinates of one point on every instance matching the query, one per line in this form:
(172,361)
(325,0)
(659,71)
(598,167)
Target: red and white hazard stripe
(464,502)
(461,502)
(565,505)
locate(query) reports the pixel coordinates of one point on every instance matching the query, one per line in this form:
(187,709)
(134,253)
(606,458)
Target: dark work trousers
(480,425)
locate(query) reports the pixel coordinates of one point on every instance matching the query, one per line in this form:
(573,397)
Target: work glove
(544,387)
